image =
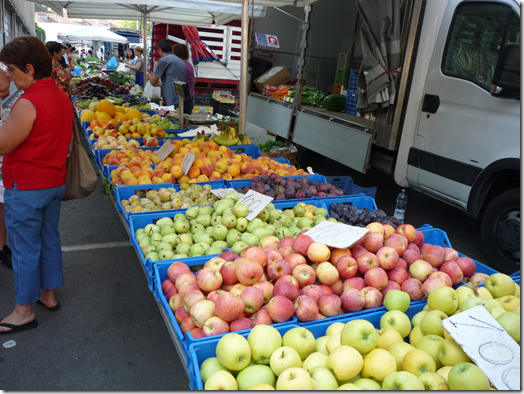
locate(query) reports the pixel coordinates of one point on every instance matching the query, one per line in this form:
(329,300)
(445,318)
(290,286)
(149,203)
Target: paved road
(109,334)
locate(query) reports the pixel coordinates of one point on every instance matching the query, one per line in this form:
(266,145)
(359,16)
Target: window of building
(7,24)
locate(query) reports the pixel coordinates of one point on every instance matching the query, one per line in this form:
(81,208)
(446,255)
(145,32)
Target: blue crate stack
(352,94)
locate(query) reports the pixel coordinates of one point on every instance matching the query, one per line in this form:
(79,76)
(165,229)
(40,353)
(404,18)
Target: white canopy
(275,3)
(95,33)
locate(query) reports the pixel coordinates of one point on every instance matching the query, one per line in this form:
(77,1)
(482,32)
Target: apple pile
(350,356)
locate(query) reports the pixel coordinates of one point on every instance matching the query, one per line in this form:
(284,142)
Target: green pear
(179,216)
(197,227)
(227,211)
(140,231)
(238,247)
(222,245)
(262,232)
(250,239)
(213,250)
(205,245)
(163,246)
(233,196)
(276,224)
(205,210)
(303,223)
(283,232)
(144,242)
(196,250)
(141,236)
(183,248)
(221,207)
(182,226)
(161,222)
(181,256)
(289,213)
(240,210)
(204,220)
(299,211)
(209,230)
(318,219)
(274,214)
(167,229)
(219,232)
(166,255)
(285,220)
(320,211)
(229,221)
(228,201)
(153,256)
(216,220)
(294,231)
(192,213)
(170,239)
(263,215)
(184,239)
(155,239)
(151,228)
(233,236)
(241,224)
(333,220)
(255,223)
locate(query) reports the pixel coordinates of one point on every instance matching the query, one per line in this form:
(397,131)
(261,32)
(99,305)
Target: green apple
(262,387)
(500,285)
(360,334)
(263,341)
(209,366)
(430,344)
(415,320)
(415,335)
(473,302)
(333,342)
(497,311)
(283,358)
(378,364)
(397,300)
(399,350)
(388,336)
(402,380)
(295,379)
(451,354)
(345,362)
(221,380)
(418,362)
(434,381)
(467,376)
(368,384)
(255,374)
(349,386)
(323,378)
(335,328)
(463,293)
(315,359)
(321,344)
(233,352)
(426,308)
(300,339)
(398,320)
(431,324)
(443,299)
(510,321)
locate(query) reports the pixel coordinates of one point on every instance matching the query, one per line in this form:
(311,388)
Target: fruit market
(227,249)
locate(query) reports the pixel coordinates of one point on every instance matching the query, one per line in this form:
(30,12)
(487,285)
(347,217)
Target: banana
(227,142)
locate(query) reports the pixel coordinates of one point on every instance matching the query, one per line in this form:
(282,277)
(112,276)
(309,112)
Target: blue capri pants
(32,218)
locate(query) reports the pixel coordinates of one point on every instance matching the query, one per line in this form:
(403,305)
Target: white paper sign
(256,202)
(189,158)
(310,170)
(221,193)
(337,235)
(488,345)
(165,150)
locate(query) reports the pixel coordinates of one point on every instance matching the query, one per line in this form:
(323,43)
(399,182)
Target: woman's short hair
(53,47)
(165,45)
(138,48)
(25,50)
(181,51)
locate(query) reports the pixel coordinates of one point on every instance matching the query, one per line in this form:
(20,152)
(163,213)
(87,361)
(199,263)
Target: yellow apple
(399,350)
(378,364)
(345,362)
(387,337)
(451,354)
(444,371)
(484,293)
(335,328)
(333,342)
(509,302)
(418,362)
(415,335)
(315,359)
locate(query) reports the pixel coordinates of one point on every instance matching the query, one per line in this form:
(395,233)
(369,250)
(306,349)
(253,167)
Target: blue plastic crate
(282,160)
(101,153)
(250,150)
(353,73)
(346,184)
(149,112)
(187,339)
(515,274)
(361,201)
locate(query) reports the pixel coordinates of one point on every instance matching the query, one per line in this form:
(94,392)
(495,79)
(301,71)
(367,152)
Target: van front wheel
(500,232)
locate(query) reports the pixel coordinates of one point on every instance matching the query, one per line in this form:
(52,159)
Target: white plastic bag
(152,92)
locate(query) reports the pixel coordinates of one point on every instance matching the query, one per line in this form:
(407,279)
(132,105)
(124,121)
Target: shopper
(74,57)
(182,52)
(139,66)
(5,251)
(61,76)
(64,61)
(40,122)
(170,68)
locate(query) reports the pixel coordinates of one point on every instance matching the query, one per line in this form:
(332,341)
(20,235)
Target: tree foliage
(133,25)
(39,32)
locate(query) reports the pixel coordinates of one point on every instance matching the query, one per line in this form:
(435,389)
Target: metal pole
(145,43)
(244,65)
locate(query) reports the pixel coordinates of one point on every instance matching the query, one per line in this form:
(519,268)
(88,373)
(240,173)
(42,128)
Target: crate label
(256,202)
(221,193)
(336,235)
(488,345)
(189,158)
(165,150)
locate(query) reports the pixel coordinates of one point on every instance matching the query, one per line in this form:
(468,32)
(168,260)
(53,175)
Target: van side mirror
(506,78)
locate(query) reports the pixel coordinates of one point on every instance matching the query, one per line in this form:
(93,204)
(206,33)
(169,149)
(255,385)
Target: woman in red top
(59,74)
(34,140)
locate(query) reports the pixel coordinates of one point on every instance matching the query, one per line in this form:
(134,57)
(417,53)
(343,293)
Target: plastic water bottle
(400,208)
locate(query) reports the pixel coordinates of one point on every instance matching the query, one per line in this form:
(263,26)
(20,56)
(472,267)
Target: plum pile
(352,215)
(280,188)
(98,87)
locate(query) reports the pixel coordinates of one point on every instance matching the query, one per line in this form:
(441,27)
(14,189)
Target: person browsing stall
(61,76)
(138,66)
(182,52)
(41,121)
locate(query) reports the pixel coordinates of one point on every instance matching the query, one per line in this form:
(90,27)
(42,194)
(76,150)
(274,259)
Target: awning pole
(144,15)
(244,65)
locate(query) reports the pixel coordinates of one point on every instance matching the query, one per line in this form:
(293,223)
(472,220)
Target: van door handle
(431,103)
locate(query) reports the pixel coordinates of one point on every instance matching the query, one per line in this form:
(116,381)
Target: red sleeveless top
(39,162)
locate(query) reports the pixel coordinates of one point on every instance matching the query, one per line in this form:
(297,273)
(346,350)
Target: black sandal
(15,328)
(5,257)
(50,308)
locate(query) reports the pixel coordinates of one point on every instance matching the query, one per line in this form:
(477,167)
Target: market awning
(96,33)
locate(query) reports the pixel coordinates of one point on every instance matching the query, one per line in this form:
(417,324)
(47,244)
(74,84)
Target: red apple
(175,302)
(266,288)
(431,284)
(337,287)
(167,285)
(326,273)
(390,286)
(372,297)
(424,246)
(376,277)
(255,253)
(272,255)
(286,241)
(305,275)
(420,270)
(318,252)
(285,250)
(181,314)
(201,311)
(347,267)
(325,289)
(387,258)
(442,275)
(267,248)
(408,231)
(228,272)
(236,290)
(197,333)
(453,270)
(402,263)
(398,275)
(290,279)
(373,241)
(329,305)
(187,324)
(397,242)
(450,254)
(176,269)
(209,280)
(215,263)
(434,255)
(281,308)
(192,298)
(240,324)
(411,255)
(366,261)
(352,300)
(253,299)
(301,243)
(249,271)
(295,259)
(354,283)
(186,287)
(357,250)
(478,277)
(228,255)
(467,266)
(413,246)
(306,309)
(228,307)
(214,295)
(171,292)
(215,326)
(312,291)
(184,277)
(261,317)
(337,254)
(419,238)
(277,269)
(413,287)
(285,289)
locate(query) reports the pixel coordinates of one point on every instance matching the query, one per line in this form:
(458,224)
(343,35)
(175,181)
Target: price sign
(488,345)
(256,202)
(221,193)
(165,150)
(163,111)
(310,170)
(337,235)
(189,158)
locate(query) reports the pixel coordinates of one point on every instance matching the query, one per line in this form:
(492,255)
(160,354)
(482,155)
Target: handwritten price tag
(337,235)
(221,193)
(189,158)
(488,345)
(256,202)
(165,150)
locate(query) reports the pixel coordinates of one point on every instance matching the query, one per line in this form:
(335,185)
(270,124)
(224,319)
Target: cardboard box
(278,75)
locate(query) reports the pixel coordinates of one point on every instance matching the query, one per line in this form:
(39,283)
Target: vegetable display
(310,96)
(335,102)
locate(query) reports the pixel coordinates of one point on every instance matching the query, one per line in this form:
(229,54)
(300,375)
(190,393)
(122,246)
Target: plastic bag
(112,63)
(122,67)
(152,92)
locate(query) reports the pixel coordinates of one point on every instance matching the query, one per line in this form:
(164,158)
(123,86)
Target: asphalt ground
(109,333)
